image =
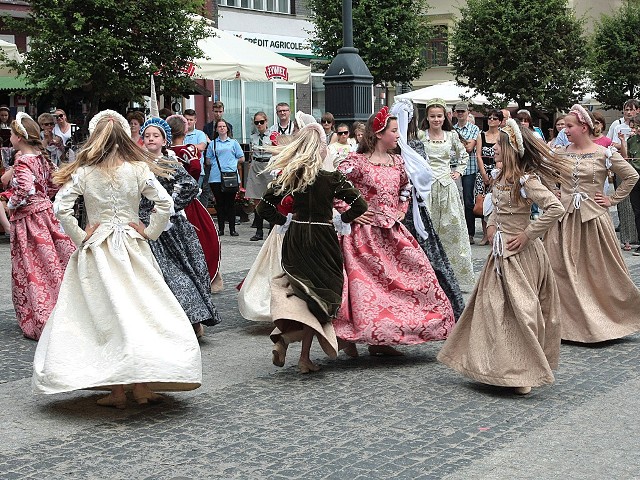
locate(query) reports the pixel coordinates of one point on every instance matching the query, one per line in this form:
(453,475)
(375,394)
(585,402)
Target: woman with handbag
(224,154)
(486,163)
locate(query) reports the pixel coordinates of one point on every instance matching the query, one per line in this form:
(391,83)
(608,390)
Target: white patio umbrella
(448,91)
(12,53)
(232,58)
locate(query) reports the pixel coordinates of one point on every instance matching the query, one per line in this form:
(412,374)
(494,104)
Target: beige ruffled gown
(599,300)
(509,332)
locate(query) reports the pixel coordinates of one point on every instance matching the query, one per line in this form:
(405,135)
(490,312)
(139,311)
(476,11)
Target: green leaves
(521,50)
(105,50)
(389,35)
(614,54)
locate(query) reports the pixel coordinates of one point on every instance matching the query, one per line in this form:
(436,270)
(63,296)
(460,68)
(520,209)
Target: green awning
(13,83)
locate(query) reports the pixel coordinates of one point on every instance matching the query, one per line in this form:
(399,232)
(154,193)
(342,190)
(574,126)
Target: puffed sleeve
(64,203)
(23,184)
(628,177)
(355,204)
(461,153)
(268,207)
(551,206)
(185,189)
(151,189)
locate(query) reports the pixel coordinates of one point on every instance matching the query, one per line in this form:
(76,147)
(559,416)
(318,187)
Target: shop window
(276,6)
(258,97)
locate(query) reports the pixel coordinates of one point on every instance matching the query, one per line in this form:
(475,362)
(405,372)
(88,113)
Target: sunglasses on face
(59,116)
(342,133)
(259,122)
(494,118)
(48,124)
(326,121)
(460,111)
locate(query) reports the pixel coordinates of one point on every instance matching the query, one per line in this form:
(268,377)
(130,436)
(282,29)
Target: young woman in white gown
(116,323)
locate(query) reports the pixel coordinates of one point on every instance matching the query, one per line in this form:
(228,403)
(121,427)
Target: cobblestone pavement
(369,418)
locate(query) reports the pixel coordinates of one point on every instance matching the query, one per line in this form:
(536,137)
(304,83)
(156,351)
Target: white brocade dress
(445,206)
(116,321)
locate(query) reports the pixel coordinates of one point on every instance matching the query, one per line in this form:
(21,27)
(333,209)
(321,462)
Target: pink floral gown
(39,248)
(391,295)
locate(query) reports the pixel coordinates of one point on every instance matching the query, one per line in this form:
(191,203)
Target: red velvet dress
(197,214)
(40,250)
(391,295)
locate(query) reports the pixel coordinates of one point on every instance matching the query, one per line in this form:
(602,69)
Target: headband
(436,102)
(582,115)
(161,125)
(112,115)
(19,126)
(381,120)
(512,129)
(180,117)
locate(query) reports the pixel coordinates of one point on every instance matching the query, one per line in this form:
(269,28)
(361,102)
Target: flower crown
(161,125)
(512,129)
(381,120)
(109,114)
(582,115)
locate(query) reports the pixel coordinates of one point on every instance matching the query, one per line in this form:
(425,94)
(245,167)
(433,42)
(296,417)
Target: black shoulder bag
(228,180)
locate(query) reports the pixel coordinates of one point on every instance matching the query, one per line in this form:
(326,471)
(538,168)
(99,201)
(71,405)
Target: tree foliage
(615,56)
(521,50)
(390,36)
(104,51)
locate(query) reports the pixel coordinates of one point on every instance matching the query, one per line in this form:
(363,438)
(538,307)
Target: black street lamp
(348,83)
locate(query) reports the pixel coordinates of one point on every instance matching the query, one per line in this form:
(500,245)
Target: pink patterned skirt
(40,252)
(391,295)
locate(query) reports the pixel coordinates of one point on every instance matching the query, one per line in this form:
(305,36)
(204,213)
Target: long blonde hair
(538,159)
(298,162)
(107,147)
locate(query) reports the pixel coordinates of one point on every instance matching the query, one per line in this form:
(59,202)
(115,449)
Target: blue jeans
(468,185)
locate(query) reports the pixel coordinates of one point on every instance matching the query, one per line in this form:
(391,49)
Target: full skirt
(254,297)
(509,333)
(116,322)
(434,250)
(599,301)
(39,254)
(447,217)
(207,234)
(183,266)
(391,295)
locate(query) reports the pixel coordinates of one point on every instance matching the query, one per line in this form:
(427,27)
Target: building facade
(281,26)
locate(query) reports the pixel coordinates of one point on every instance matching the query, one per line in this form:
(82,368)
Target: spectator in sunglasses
(343,144)
(328,122)
(257,181)
(62,127)
(51,142)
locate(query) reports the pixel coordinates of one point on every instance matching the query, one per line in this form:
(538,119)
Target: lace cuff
(342,227)
(282,229)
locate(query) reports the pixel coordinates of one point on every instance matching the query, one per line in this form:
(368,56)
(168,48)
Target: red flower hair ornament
(381,119)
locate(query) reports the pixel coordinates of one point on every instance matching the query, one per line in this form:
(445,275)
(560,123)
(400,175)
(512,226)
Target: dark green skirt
(312,260)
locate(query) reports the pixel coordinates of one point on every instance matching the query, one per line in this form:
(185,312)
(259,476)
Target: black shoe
(636,252)
(221,233)
(234,234)
(256,237)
